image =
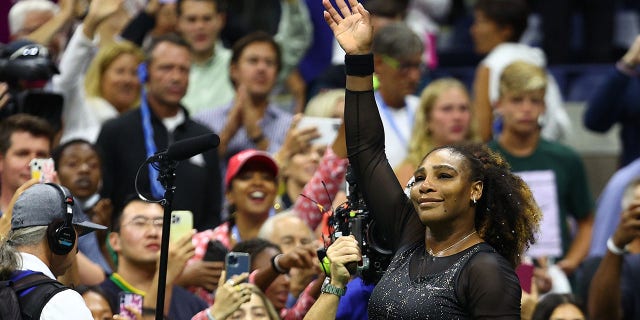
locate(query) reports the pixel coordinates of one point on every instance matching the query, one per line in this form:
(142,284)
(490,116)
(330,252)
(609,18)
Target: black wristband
(275,266)
(359,65)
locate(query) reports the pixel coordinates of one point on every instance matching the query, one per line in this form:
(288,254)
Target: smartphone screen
(131,300)
(237,263)
(42,169)
(181,224)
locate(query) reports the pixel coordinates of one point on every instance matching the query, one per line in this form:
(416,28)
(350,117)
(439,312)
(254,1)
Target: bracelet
(359,65)
(257,139)
(276,266)
(613,248)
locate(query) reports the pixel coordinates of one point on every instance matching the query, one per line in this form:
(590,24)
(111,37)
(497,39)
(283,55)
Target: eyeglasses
(143,222)
(403,67)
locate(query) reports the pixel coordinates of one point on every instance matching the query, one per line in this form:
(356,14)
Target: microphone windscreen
(187,148)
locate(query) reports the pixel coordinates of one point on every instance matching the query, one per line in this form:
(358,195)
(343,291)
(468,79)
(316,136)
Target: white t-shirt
(397,123)
(557,124)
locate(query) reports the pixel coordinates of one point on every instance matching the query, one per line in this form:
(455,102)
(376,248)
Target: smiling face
(303,165)
(119,84)
(442,191)
(253,190)
(14,164)
(79,170)
(450,118)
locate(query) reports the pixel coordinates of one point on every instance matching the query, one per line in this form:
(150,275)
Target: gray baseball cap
(41,204)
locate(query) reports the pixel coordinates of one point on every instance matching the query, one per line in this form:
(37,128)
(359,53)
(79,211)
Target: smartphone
(237,263)
(42,169)
(327,127)
(131,300)
(525,275)
(216,251)
(181,224)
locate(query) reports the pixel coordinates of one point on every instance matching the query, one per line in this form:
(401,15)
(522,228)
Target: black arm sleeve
(490,288)
(138,28)
(383,194)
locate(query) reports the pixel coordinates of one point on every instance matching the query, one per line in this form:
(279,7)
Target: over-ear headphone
(60,232)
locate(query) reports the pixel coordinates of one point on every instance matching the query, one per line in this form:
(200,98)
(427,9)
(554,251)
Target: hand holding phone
(42,169)
(130,301)
(237,263)
(181,224)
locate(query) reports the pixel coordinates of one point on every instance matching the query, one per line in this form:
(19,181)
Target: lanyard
(150,145)
(392,122)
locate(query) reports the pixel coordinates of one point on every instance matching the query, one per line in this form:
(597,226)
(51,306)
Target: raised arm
(376,180)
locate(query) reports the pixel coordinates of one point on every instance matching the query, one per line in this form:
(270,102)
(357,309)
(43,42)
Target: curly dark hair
(507,216)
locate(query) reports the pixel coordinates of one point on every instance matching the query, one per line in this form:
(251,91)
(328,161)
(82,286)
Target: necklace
(439,253)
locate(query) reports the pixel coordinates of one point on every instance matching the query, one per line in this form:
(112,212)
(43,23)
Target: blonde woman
(111,85)
(443,117)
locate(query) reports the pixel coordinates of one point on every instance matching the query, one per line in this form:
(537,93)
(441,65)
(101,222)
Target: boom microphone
(187,148)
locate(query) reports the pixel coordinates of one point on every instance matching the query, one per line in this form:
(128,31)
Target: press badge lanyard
(150,145)
(392,122)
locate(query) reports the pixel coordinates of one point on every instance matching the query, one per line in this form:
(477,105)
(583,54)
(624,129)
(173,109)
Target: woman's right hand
(351,26)
(230,295)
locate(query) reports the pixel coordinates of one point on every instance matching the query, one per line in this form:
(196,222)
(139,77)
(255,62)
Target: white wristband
(615,249)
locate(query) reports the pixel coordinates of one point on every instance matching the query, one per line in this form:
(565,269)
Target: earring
(474,200)
(541,121)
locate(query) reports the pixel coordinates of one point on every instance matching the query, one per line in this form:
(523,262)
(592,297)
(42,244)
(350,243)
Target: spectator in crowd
(96,301)
(456,225)
(78,164)
(250,184)
(289,232)
(45,225)
(496,30)
(617,100)
(609,209)
(398,65)
(111,85)
(129,139)
(554,172)
(270,269)
(443,117)
(200,23)
(136,237)
(614,292)
(558,306)
(42,21)
(22,138)
(252,120)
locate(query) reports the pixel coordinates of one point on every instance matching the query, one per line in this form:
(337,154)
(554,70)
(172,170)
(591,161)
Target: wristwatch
(327,287)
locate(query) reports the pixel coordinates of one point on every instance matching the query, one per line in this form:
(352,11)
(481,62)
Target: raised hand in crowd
(99,11)
(296,140)
(230,295)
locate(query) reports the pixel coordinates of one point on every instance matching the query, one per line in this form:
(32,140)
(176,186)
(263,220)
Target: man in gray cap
(45,226)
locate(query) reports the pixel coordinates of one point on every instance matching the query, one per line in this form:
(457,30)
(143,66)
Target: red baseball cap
(250,155)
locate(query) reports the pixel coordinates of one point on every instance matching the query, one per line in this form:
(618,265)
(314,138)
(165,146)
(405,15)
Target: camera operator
(25,69)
